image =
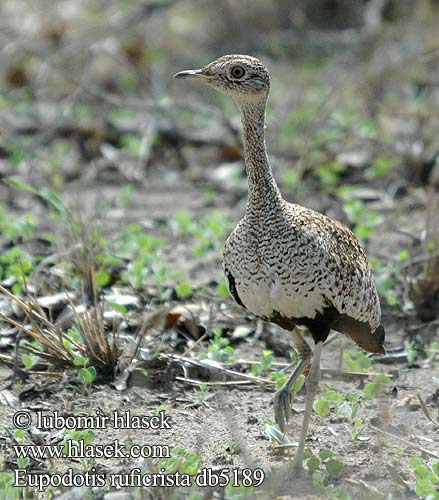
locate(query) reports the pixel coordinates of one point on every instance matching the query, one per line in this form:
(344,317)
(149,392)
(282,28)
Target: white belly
(263,297)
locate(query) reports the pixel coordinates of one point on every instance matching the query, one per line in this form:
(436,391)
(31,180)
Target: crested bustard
(286,263)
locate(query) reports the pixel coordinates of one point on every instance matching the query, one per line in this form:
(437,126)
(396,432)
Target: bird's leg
(282,398)
(312,385)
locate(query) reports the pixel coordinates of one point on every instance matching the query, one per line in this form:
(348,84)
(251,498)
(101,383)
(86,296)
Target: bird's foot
(282,407)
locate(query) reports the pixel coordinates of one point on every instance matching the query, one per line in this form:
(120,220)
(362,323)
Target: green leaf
(79,361)
(322,407)
(29,360)
(372,390)
(382,378)
(425,487)
(87,375)
(102,277)
(20,185)
(325,455)
(183,290)
(334,468)
(298,384)
(92,371)
(118,307)
(222,290)
(313,464)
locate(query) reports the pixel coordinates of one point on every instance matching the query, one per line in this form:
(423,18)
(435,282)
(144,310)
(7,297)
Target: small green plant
(329,401)
(427,479)
(290,179)
(381,167)
(208,232)
(232,448)
(76,436)
(326,489)
(334,468)
(373,389)
(20,438)
(364,221)
(7,489)
(22,226)
(29,360)
(219,349)
(183,290)
(357,361)
(201,392)
(86,376)
(181,460)
(410,352)
(222,290)
(358,427)
(264,366)
(15,264)
(432,350)
(141,252)
(329,174)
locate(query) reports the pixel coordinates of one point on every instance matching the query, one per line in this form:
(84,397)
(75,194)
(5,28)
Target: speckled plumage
(286,263)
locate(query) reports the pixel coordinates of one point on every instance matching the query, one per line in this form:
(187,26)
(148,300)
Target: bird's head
(242,77)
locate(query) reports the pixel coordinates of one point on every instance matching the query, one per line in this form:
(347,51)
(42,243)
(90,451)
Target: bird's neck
(262,187)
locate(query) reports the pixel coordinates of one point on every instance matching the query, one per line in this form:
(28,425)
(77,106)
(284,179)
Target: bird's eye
(237,71)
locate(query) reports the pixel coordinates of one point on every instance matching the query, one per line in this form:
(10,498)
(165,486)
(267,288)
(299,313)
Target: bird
(285,263)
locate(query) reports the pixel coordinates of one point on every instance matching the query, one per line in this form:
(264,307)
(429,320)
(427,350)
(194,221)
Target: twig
(210,367)
(327,371)
(191,381)
(402,440)
(426,412)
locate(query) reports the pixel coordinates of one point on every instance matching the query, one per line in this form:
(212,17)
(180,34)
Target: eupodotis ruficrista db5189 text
(286,263)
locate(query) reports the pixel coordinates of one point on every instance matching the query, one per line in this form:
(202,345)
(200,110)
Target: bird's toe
(282,408)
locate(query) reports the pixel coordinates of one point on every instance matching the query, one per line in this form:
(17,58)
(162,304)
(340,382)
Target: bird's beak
(192,73)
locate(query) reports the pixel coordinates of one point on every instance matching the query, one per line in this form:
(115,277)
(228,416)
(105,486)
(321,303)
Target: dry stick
(25,307)
(200,382)
(426,412)
(407,443)
(193,346)
(45,340)
(328,371)
(218,368)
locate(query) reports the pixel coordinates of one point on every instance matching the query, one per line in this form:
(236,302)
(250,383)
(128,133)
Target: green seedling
(427,479)
(201,392)
(184,290)
(373,389)
(86,376)
(432,350)
(182,461)
(222,290)
(264,366)
(75,436)
(15,264)
(357,361)
(334,468)
(7,489)
(219,349)
(29,360)
(410,352)
(20,438)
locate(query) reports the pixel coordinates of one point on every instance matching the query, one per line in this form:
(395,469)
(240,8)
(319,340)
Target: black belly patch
(320,326)
(232,288)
